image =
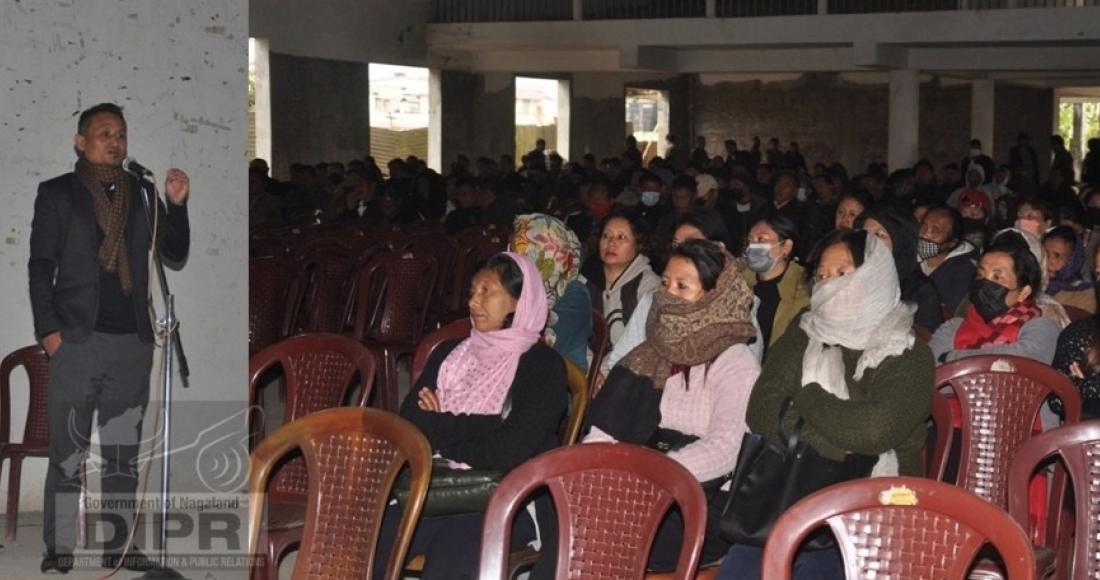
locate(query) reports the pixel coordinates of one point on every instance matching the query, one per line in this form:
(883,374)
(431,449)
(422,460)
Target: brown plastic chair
(610,498)
(36,433)
(1074,313)
(578,403)
(942,425)
(353,457)
(1000,398)
(268,288)
(318,371)
(394,291)
(1078,448)
(597,343)
(474,249)
(900,527)
(322,289)
(456,330)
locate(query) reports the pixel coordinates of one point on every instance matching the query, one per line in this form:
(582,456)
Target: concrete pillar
(712,8)
(822,6)
(578,9)
(435,119)
(902,150)
(564,97)
(981,113)
(262,56)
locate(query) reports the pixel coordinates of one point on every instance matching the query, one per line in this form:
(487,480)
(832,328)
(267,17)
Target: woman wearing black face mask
(1002,317)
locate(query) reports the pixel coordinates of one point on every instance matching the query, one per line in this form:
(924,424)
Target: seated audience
(684,390)
(619,276)
(851,205)
(1065,262)
(855,374)
(897,229)
(976,211)
(775,278)
(1078,356)
(556,253)
(491,401)
(1003,316)
(945,256)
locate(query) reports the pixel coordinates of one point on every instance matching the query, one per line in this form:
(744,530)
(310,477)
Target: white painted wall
(178,69)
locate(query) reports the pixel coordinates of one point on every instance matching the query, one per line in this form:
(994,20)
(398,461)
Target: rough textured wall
(320,111)
(944,121)
(832,119)
(1026,109)
(599,110)
(178,69)
(478,115)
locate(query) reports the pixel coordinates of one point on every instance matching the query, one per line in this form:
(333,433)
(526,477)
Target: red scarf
(975,332)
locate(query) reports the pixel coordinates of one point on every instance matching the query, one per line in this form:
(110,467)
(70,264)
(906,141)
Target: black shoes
(56,563)
(135,561)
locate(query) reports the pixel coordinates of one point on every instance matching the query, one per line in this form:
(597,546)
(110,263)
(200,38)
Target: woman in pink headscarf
(490,401)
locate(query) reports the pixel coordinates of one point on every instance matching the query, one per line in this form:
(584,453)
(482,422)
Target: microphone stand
(171,346)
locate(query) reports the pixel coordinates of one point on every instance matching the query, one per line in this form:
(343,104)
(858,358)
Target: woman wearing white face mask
(774,277)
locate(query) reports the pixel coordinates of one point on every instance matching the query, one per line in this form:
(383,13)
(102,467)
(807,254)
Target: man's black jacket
(64,269)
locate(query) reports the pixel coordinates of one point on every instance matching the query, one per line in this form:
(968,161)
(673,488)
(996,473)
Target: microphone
(132,166)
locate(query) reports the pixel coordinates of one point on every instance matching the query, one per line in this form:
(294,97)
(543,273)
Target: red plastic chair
(393,293)
(36,433)
(353,457)
(999,398)
(610,498)
(900,527)
(456,330)
(318,370)
(473,251)
(268,288)
(322,290)
(1078,448)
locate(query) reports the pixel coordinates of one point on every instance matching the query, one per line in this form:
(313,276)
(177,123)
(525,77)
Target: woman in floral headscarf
(556,251)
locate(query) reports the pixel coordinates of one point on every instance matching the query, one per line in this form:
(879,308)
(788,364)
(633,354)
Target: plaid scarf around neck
(111,215)
(681,334)
(1004,329)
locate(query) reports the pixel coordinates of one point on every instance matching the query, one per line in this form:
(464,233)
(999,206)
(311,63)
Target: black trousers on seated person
(451,545)
(666,544)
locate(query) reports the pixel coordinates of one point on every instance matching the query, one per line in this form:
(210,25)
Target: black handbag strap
(791,438)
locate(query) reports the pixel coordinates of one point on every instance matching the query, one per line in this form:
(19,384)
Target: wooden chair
(578,404)
(394,291)
(352,457)
(610,500)
(36,432)
(597,343)
(900,527)
(1078,448)
(318,375)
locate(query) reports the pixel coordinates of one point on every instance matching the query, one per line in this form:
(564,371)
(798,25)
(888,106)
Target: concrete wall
(380,31)
(598,109)
(320,111)
(178,69)
(843,117)
(479,115)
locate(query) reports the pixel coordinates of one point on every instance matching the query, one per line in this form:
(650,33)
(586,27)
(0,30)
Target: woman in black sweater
(491,401)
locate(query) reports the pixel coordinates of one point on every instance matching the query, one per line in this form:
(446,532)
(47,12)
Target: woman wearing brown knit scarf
(684,391)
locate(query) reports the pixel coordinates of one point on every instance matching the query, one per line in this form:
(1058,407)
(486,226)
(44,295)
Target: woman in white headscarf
(854,374)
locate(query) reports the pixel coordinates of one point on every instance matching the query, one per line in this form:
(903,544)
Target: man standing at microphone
(89,290)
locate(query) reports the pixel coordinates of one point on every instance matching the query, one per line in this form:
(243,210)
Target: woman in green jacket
(774,277)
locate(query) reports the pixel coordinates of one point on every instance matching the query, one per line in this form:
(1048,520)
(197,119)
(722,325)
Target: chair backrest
(1074,313)
(900,527)
(942,426)
(456,330)
(318,371)
(1000,398)
(1078,446)
(353,457)
(325,281)
(578,403)
(473,251)
(610,498)
(598,344)
(445,250)
(268,284)
(33,360)
(393,293)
